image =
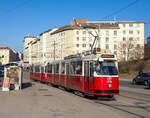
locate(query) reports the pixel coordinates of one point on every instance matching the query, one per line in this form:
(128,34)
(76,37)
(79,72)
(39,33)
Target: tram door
(42,72)
(67,75)
(88,77)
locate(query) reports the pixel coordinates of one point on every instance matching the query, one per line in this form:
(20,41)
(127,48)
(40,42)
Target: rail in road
(130,103)
(133,101)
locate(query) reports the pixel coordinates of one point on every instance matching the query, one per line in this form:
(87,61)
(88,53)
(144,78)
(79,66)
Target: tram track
(134,104)
(135,96)
(133,109)
(117,107)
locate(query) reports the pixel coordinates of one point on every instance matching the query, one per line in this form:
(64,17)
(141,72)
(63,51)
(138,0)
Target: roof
(125,22)
(1,48)
(30,37)
(115,22)
(45,31)
(87,26)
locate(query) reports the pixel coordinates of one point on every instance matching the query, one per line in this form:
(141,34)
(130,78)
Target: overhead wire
(121,9)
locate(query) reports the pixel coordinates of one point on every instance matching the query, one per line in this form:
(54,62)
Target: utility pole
(99,44)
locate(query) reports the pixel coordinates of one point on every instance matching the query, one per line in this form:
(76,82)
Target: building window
(84,45)
(107,46)
(138,45)
(124,32)
(138,31)
(124,52)
(131,46)
(130,32)
(137,25)
(124,25)
(77,45)
(124,45)
(84,32)
(77,32)
(130,25)
(138,38)
(131,38)
(77,38)
(90,45)
(124,38)
(115,32)
(90,32)
(84,38)
(107,33)
(107,39)
(115,46)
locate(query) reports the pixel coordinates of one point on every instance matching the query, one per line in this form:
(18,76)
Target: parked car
(1,71)
(142,78)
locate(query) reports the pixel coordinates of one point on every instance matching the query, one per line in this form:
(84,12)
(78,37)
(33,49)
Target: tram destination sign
(107,56)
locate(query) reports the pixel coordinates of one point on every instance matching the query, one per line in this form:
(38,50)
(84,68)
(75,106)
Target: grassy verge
(129,76)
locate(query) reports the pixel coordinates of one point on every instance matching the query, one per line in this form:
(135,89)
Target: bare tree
(130,50)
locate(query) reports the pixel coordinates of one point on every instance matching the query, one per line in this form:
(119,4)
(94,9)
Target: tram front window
(106,68)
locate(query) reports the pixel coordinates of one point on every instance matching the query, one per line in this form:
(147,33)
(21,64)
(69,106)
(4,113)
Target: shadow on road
(26,85)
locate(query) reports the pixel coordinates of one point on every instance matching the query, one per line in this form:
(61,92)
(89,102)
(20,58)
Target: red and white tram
(93,74)
(38,72)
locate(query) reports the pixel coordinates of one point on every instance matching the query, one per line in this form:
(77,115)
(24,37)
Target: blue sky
(18,18)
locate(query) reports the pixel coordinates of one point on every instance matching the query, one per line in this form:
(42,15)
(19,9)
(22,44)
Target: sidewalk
(125,79)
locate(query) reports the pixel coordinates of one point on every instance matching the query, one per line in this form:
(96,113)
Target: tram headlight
(109,85)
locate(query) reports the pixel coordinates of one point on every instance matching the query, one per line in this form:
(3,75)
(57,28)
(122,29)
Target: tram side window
(49,70)
(37,69)
(31,68)
(76,68)
(72,68)
(46,69)
(57,68)
(63,68)
(42,69)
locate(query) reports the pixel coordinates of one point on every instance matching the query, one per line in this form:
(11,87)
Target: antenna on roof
(29,34)
(114,18)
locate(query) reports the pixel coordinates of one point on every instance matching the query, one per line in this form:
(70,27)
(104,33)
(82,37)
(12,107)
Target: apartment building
(147,49)
(131,40)
(28,40)
(8,55)
(123,38)
(35,51)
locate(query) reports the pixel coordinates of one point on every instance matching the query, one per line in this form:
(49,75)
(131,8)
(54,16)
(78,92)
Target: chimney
(76,21)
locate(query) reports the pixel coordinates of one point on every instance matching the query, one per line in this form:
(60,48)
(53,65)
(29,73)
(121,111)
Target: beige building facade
(123,38)
(8,55)
(31,49)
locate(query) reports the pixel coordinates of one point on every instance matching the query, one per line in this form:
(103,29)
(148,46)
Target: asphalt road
(127,83)
(38,100)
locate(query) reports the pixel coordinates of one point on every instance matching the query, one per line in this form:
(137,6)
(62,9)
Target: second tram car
(93,74)
(38,72)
